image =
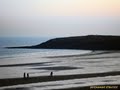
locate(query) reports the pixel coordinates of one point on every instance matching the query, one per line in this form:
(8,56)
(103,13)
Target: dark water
(19,41)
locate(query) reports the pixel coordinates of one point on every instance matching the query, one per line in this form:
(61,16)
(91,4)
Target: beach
(72,69)
(17,81)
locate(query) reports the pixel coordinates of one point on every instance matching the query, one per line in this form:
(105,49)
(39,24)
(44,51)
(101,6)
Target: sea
(40,62)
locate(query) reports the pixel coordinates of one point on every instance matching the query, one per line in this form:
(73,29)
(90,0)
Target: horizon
(50,37)
(59,18)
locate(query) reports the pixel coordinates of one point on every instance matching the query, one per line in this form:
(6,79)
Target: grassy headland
(90,42)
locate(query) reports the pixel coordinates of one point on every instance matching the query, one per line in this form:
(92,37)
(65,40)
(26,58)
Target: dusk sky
(37,18)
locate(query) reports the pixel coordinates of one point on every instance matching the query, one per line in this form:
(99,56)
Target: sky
(55,18)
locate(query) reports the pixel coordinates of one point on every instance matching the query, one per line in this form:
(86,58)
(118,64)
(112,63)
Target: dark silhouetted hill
(90,42)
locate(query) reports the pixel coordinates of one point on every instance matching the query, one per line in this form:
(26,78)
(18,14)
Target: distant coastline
(89,42)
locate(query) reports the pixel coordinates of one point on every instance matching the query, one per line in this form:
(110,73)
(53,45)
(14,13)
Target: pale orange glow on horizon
(78,7)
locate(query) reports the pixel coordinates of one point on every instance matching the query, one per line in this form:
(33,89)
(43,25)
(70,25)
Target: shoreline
(17,81)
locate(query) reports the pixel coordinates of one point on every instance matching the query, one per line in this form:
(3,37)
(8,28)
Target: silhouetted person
(24,75)
(51,74)
(27,75)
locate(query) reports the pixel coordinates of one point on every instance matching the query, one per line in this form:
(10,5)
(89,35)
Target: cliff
(90,42)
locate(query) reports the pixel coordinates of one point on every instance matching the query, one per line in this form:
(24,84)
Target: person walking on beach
(24,75)
(27,75)
(51,74)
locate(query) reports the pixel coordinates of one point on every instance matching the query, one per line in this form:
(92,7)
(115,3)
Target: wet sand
(97,87)
(17,81)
